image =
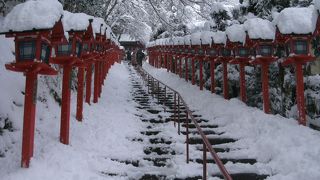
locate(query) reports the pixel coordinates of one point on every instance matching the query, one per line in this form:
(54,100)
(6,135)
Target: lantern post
(200,54)
(32,52)
(242,58)
(225,56)
(67,55)
(212,53)
(298,48)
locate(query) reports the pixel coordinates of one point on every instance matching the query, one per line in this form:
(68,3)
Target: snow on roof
(127,38)
(75,21)
(33,14)
(187,39)
(178,40)
(236,33)
(219,37)
(196,38)
(296,20)
(207,37)
(96,25)
(258,28)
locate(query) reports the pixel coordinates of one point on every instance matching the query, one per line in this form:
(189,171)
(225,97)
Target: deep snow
(283,148)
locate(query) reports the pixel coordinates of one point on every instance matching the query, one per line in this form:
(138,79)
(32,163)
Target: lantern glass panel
(193,51)
(265,50)
(186,50)
(64,49)
(78,49)
(212,52)
(301,47)
(288,49)
(27,50)
(85,47)
(243,52)
(45,53)
(201,52)
(226,52)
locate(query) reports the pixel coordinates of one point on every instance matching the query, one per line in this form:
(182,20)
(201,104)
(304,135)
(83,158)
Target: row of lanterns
(252,49)
(37,49)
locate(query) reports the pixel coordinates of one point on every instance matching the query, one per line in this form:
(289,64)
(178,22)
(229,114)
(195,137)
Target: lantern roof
(236,33)
(258,28)
(32,15)
(196,38)
(297,20)
(178,40)
(187,40)
(219,37)
(75,21)
(206,37)
(99,26)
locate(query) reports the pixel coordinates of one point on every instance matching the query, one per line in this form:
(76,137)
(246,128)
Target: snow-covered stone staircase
(165,150)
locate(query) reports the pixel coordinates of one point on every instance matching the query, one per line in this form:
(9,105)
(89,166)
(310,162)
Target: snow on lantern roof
(187,40)
(96,25)
(258,28)
(206,37)
(75,21)
(196,38)
(33,14)
(297,20)
(178,40)
(219,37)
(236,33)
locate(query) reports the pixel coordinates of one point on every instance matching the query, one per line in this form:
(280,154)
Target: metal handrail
(206,143)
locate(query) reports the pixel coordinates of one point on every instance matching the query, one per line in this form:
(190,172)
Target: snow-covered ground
(283,148)
(100,137)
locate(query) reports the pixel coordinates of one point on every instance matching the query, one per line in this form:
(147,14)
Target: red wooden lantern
(212,53)
(259,38)
(225,56)
(78,25)
(297,41)
(67,55)
(32,52)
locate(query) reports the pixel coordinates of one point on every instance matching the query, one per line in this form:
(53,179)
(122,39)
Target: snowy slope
(101,136)
(283,148)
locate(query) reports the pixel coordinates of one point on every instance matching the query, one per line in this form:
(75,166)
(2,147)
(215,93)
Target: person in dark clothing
(140,57)
(128,55)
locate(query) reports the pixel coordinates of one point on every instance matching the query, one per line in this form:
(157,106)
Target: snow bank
(38,14)
(283,149)
(258,28)
(75,21)
(297,20)
(236,33)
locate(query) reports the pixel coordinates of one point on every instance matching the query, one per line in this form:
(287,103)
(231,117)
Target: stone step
(213,141)
(225,160)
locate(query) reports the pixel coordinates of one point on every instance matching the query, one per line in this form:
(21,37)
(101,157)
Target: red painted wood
(96,82)
(225,80)
(300,94)
(187,69)
(201,74)
(180,67)
(243,93)
(193,80)
(28,119)
(65,106)
(79,113)
(212,67)
(88,83)
(265,87)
